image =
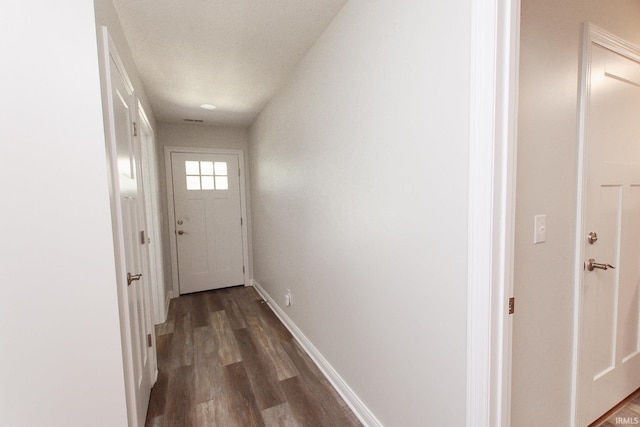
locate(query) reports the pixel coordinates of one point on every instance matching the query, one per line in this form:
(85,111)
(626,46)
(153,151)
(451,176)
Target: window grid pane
(221,168)
(193,183)
(192,168)
(207,183)
(206,168)
(222,183)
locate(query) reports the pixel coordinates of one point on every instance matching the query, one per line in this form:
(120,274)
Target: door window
(206,175)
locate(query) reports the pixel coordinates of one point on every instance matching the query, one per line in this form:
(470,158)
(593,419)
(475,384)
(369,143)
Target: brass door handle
(132,278)
(592,265)
(181,232)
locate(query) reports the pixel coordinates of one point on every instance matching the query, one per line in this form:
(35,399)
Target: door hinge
(143,239)
(241,221)
(512,305)
(135,129)
(243,268)
(238,171)
(149,340)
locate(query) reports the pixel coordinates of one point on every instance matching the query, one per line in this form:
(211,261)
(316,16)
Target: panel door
(139,366)
(206,190)
(609,360)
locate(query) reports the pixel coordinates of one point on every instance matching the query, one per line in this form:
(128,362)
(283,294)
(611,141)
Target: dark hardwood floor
(225,360)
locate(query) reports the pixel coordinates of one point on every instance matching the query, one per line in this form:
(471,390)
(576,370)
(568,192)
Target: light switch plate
(540,229)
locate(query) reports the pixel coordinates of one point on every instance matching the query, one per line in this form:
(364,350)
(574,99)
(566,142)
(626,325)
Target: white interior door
(152,208)
(608,359)
(138,354)
(208,220)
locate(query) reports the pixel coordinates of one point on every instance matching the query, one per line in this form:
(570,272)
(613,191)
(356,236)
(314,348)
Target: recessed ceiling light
(208,106)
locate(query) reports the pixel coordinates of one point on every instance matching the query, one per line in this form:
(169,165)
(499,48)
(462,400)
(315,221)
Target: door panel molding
(168,151)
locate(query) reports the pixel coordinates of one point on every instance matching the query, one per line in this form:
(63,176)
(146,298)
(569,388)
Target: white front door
(208,220)
(609,350)
(125,153)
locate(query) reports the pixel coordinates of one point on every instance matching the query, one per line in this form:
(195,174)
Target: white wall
(551,35)
(359,170)
(61,358)
(198,136)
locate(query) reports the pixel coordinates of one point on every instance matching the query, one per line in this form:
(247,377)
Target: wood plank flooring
(627,414)
(226,360)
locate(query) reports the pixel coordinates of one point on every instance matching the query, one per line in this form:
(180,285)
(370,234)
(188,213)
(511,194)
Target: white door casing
(128,212)
(608,301)
(495,29)
(207,219)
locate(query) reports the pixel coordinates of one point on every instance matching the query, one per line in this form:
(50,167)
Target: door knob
(180,222)
(132,278)
(592,265)
(180,232)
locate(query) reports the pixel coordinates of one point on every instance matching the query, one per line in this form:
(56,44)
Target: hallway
(224,359)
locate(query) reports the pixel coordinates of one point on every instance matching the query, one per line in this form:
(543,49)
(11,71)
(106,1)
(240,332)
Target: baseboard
(166,304)
(357,406)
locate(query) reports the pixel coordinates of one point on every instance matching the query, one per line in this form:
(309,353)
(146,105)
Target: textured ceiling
(234,54)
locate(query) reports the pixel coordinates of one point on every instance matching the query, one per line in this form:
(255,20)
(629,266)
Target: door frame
(495,35)
(592,35)
(173,242)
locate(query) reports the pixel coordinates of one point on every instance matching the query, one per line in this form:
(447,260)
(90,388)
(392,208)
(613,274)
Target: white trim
(580,207)
(167,302)
(492,161)
(172,220)
(591,35)
(597,35)
(507,125)
(348,395)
